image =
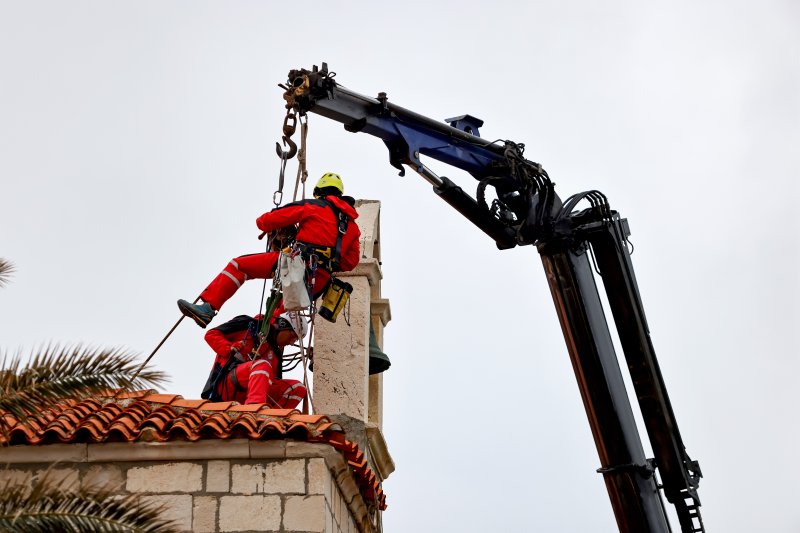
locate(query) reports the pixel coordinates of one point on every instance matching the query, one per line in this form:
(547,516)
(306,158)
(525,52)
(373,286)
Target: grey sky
(136,151)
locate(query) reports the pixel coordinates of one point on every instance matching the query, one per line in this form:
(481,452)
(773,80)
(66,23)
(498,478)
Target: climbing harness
(327,257)
(220,373)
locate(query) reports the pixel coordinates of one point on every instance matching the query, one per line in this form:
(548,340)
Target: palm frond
(49,507)
(6,269)
(58,374)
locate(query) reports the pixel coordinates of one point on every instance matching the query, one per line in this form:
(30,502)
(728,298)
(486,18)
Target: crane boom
(527,211)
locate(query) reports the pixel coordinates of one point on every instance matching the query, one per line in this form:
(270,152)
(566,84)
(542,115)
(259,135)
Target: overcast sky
(137,149)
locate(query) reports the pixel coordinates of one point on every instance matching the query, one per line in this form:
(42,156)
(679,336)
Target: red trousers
(256,385)
(240,269)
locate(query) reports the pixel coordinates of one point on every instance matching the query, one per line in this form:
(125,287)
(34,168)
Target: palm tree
(45,507)
(6,269)
(56,375)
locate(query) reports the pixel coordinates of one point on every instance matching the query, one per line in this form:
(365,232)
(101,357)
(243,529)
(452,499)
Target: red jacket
(223,337)
(318,225)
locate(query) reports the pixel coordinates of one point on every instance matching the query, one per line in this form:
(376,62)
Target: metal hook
(292,148)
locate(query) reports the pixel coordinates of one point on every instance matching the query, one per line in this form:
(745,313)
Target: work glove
(242,347)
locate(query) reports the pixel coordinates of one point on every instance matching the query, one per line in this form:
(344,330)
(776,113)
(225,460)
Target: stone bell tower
(343,388)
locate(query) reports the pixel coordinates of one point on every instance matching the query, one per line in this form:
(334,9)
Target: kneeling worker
(247,372)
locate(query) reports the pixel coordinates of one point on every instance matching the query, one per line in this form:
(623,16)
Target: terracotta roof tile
(134,394)
(161,398)
(281,413)
(148,416)
(217,406)
(191,404)
(249,408)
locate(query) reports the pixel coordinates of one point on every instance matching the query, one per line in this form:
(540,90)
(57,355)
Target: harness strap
(235,380)
(342,223)
(322,255)
(328,257)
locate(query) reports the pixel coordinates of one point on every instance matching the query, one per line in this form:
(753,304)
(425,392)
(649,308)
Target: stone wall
(282,494)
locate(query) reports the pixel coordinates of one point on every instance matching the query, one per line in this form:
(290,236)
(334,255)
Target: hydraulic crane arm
(525,196)
(528,211)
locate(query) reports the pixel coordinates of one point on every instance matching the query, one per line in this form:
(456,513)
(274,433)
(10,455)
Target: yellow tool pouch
(334,299)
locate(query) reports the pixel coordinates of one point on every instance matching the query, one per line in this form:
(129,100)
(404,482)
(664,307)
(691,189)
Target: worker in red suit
(327,236)
(249,371)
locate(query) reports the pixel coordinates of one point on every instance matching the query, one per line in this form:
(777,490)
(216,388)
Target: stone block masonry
(288,495)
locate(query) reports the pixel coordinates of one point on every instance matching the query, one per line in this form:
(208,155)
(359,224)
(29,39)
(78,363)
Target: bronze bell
(378,361)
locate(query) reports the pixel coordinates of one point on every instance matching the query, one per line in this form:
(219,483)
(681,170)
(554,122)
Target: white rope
(304,358)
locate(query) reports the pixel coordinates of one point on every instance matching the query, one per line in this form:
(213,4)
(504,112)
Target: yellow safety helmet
(329,179)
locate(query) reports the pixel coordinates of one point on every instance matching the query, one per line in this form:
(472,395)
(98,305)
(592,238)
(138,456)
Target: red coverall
(317,226)
(251,381)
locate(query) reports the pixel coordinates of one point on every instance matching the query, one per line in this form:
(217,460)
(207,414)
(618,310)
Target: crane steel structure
(572,244)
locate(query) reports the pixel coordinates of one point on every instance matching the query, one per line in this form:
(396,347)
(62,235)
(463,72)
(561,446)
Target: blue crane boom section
(527,211)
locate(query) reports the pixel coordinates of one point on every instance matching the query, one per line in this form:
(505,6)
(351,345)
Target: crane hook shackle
(289,127)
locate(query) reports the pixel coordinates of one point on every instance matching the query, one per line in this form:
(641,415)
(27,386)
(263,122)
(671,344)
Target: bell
(378,361)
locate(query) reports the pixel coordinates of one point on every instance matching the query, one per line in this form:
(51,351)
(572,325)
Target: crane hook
(286,154)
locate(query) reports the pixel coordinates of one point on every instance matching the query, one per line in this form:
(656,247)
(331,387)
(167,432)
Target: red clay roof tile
(249,408)
(161,398)
(191,404)
(217,406)
(147,416)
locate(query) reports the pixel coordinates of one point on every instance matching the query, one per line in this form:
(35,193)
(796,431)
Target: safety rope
(309,399)
(304,353)
(302,171)
(289,126)
(136,375)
